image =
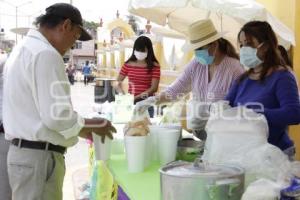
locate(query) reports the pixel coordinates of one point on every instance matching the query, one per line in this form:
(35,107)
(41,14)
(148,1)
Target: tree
(132,20)
(91,27)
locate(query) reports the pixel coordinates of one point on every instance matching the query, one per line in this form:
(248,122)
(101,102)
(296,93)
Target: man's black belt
(38,145)
(1,128)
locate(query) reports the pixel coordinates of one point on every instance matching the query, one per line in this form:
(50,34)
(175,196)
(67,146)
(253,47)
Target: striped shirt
(195,79)
(139,78)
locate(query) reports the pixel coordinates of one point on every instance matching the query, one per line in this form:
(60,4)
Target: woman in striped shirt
(142,70)
(208,76)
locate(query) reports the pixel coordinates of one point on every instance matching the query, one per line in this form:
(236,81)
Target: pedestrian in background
(86,71)
(70,72)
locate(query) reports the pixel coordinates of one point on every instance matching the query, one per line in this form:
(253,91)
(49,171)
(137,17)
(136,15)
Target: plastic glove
(197,124)
(198,114)
(142,106)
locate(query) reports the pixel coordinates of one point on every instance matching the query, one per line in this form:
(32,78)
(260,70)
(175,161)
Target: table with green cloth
(138,186)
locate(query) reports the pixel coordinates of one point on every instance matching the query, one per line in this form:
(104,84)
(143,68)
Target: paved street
(77,156)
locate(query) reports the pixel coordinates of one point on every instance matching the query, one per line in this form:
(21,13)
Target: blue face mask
(203,57)
(248,57)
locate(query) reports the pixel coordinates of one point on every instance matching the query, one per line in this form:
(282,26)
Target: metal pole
(16,7)
(16,23)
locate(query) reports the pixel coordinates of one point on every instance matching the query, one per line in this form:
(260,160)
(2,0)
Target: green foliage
(133,21)
(91,27)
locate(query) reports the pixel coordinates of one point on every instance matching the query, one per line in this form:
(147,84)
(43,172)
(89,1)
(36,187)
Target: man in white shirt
(38,116)
(5,192)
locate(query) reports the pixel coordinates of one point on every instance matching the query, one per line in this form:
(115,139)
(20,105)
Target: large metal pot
(187,181)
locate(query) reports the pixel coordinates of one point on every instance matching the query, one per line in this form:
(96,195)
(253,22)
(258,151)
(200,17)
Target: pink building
(82,52)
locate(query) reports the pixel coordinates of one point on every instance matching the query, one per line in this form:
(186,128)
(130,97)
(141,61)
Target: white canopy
(227,15)
(21,30)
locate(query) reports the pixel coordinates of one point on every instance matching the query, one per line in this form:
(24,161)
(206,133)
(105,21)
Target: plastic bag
(230,135)
(238,136)
(239,120)
(172,113)
(139,124)
(295,169)
(266,161)
(262,189)
(140,116)
(91,157)
(122,108)
(103,186)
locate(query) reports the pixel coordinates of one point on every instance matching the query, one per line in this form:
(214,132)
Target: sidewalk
(77,156)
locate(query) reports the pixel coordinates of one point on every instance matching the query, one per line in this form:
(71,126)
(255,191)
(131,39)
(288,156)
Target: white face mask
(140,55)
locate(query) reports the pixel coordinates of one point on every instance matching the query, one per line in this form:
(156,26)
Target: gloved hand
(197,124)
(197,115)
(142,106)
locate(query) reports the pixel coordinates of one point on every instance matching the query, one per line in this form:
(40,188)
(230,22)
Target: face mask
(203,57)
(140,55)
(248,57)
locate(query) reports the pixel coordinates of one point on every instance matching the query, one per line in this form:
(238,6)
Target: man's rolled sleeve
(75,129)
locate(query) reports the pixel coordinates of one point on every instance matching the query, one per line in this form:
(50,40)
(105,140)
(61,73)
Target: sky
(91,10)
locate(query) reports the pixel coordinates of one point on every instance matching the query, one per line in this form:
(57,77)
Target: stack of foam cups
(136,148)
(102,150)
(164,142)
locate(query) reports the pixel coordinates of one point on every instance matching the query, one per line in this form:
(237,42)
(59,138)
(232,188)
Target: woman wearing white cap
(209,75)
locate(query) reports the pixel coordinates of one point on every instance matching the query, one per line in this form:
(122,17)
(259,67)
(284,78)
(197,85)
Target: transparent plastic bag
(232,133)
(266,161)
(238,136)
(173,113)
(262,189)
(139,124)
(103,186)
(122,108)
(295,168)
